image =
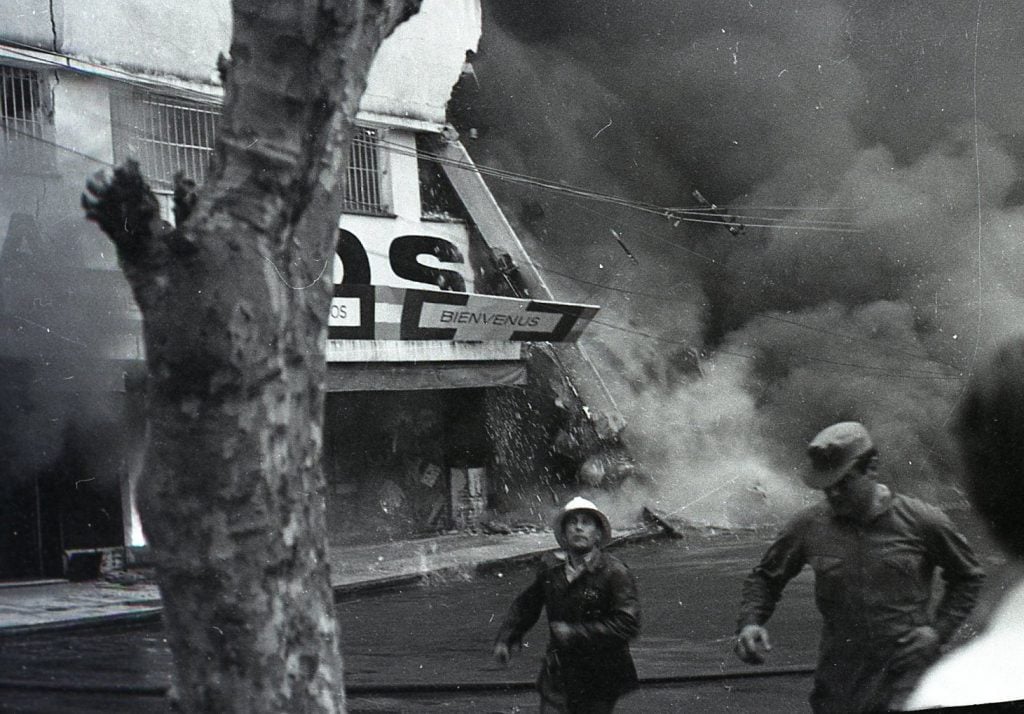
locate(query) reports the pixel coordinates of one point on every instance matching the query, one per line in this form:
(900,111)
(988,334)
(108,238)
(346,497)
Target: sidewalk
(56,605)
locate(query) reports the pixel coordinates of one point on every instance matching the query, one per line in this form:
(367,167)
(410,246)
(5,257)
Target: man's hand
(502,654)
(561,632)
(920,645)
(752,643)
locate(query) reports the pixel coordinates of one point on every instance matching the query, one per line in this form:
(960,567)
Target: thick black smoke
(890,135)
(67,321)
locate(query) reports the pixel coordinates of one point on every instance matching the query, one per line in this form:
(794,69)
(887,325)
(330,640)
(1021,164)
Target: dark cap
(834,450)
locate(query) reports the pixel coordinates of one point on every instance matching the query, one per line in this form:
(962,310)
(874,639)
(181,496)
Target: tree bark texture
(234,303)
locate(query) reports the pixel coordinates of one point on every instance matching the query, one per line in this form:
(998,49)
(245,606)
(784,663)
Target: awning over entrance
(381,376)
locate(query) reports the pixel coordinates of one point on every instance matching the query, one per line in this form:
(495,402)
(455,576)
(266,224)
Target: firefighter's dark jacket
(872,585)
(602,607)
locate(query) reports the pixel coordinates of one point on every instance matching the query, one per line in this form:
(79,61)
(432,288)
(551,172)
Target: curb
(347,591)
(150,610)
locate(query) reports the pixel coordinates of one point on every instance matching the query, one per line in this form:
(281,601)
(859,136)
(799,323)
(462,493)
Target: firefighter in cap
(873,553)
(592,611)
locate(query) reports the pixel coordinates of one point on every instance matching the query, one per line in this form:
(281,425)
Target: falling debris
(731,222)
(629,253)
(652,516)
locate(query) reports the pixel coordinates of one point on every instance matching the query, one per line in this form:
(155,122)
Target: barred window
(365,192)
(165,135)
(26,123)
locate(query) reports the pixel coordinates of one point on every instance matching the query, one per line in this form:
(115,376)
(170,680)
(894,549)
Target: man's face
(852,495)
(582,532)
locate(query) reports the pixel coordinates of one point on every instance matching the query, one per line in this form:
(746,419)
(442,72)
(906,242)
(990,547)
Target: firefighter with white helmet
(593,612)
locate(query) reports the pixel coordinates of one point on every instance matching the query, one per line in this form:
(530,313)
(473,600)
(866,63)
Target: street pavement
(423,644)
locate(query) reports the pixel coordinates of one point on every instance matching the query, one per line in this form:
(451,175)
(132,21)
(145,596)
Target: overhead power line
(579,193)
(695,214)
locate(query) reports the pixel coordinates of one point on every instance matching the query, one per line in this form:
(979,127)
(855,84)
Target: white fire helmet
(582,504)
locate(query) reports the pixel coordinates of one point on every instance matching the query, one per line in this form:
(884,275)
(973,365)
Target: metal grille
(363,191)
(26,123)
(165,135)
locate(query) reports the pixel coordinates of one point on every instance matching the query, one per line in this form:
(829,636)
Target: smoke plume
(871,149)
(65,314)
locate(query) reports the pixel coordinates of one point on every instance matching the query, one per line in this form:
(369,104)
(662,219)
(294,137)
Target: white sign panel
(387,313)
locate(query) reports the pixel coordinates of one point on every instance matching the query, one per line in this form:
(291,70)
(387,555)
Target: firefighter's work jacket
(872,585)
(602,607)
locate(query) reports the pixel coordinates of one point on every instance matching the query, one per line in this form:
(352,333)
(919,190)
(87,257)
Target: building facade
(455,391)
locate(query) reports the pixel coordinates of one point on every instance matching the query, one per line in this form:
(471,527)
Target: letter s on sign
(406,249)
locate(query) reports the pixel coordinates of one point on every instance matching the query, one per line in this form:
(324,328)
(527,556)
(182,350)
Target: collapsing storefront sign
(377,312)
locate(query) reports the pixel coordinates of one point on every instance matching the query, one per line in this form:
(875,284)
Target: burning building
(455,385)
(870,153)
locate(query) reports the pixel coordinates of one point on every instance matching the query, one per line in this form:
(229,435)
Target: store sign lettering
(413,287)
(460,317)
(403,261)
(345,312)
(426,315)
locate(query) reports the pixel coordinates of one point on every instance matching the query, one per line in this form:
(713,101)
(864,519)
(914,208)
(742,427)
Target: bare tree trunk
(234,304)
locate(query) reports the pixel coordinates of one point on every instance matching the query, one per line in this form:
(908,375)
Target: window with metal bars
(26,123)
(166,135)
(365,192)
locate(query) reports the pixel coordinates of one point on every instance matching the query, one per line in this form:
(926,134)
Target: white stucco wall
(412,76)
(81,121)
(151,36)
(417,66)
(27,22)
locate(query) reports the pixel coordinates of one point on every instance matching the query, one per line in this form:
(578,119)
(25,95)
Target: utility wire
(689,215)
(767,316)
(579,193)
(58,146)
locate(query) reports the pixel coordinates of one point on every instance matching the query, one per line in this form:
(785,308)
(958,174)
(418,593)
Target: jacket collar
(589,565)
(881,503)
(594,560)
